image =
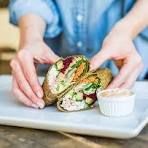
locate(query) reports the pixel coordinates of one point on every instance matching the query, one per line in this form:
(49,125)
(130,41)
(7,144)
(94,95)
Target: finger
(124,73)
(99,59)
(20,96)
(50,57)
(25,87)
(132,78)
(30,72)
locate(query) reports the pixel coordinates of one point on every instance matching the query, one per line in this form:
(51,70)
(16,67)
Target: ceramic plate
(90,122)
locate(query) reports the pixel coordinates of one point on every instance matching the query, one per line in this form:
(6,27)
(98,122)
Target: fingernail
(91,68)
(35,106)
(39,94)
(41,104)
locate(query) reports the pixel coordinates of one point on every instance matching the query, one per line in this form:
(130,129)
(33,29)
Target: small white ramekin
(116,105)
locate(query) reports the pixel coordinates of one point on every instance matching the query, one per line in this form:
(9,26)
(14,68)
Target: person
(109,33)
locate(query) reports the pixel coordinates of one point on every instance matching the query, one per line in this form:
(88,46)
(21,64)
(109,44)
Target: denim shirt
(79,26)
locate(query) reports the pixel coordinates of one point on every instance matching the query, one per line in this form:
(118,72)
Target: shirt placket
(80,25)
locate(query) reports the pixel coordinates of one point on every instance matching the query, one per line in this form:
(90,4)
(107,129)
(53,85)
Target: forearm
(32,28)
(136,20)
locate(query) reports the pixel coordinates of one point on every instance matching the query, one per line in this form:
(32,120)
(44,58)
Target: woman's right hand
(26,86)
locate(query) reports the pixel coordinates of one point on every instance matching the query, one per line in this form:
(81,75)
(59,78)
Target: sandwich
(71,85)
(62,76)
(83,95)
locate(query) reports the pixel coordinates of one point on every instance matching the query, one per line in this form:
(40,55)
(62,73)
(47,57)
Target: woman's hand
(118,46)
(26,86)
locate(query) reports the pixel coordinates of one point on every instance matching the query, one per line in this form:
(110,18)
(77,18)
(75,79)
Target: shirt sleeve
(43,8)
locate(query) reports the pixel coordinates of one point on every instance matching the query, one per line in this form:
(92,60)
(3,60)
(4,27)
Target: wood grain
(15,137)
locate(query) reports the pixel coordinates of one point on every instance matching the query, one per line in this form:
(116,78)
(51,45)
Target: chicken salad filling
(83,96)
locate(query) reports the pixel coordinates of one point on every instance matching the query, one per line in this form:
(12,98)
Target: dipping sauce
(115,93)
(116,102)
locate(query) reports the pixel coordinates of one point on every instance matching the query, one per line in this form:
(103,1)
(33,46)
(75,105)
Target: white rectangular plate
(90,122)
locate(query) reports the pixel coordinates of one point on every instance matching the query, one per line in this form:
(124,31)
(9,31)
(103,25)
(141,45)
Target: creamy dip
(115,93)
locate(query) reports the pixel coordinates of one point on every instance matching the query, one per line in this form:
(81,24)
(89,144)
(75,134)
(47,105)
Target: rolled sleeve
(46,9)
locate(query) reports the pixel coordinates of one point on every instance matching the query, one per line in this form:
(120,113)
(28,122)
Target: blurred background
(9,38)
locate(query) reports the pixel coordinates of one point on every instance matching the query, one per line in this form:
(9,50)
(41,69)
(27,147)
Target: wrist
(130,27)
(28,43)
(136,20)
(122,28)
(29,39)
(32,29)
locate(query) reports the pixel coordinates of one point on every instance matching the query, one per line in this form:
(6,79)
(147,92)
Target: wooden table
(15,137)
(6,54)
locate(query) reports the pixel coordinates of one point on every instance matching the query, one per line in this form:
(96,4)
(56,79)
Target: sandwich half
(105,76)
(62,76)
(83,95)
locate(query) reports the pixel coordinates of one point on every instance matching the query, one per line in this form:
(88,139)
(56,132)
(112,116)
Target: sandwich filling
(82,96)
(66,72)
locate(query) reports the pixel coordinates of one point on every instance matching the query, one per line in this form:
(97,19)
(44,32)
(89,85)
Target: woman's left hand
(119,47)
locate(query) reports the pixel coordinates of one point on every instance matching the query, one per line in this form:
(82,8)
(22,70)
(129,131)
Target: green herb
(92,86)
(58,87)
(89,86)
(69,74)
(56,66)
(62,82)
(77,64)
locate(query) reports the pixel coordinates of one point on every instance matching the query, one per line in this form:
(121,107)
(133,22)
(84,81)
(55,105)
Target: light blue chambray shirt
(79,26)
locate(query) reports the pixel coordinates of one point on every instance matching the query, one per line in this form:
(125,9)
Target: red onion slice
(92,96)
(66,64)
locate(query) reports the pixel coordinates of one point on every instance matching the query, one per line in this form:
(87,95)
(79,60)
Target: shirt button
(79,44)
(79,17)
